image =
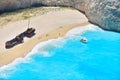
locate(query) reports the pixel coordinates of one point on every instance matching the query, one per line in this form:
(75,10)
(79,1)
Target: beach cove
(48,26)
(56,52)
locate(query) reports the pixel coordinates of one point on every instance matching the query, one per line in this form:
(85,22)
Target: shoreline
(25,48)
(8,56)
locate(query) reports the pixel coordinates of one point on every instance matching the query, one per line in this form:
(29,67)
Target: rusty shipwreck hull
(30,32)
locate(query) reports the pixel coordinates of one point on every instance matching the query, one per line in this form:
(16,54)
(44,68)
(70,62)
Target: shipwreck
(30,32)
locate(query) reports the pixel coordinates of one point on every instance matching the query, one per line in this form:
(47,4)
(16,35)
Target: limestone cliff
(105,13)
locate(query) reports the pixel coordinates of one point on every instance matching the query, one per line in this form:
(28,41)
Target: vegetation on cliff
(22,14)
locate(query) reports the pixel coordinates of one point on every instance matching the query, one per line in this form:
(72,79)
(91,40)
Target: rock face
(105,13)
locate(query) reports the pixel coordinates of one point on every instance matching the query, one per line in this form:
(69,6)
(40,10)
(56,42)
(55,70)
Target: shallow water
(69,59)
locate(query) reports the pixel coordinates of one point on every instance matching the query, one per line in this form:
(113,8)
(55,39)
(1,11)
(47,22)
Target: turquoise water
(69,59)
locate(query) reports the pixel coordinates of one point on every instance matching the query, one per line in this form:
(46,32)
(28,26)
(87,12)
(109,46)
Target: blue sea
(67,58)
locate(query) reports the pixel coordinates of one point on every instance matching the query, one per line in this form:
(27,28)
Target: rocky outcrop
(105,13)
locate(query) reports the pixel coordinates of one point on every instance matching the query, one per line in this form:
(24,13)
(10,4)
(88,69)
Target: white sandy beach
(55,24)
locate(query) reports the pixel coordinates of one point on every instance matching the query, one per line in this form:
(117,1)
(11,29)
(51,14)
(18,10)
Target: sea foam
(82,29)
(46,46)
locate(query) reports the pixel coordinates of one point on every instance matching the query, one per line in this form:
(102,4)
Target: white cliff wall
(105,13)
